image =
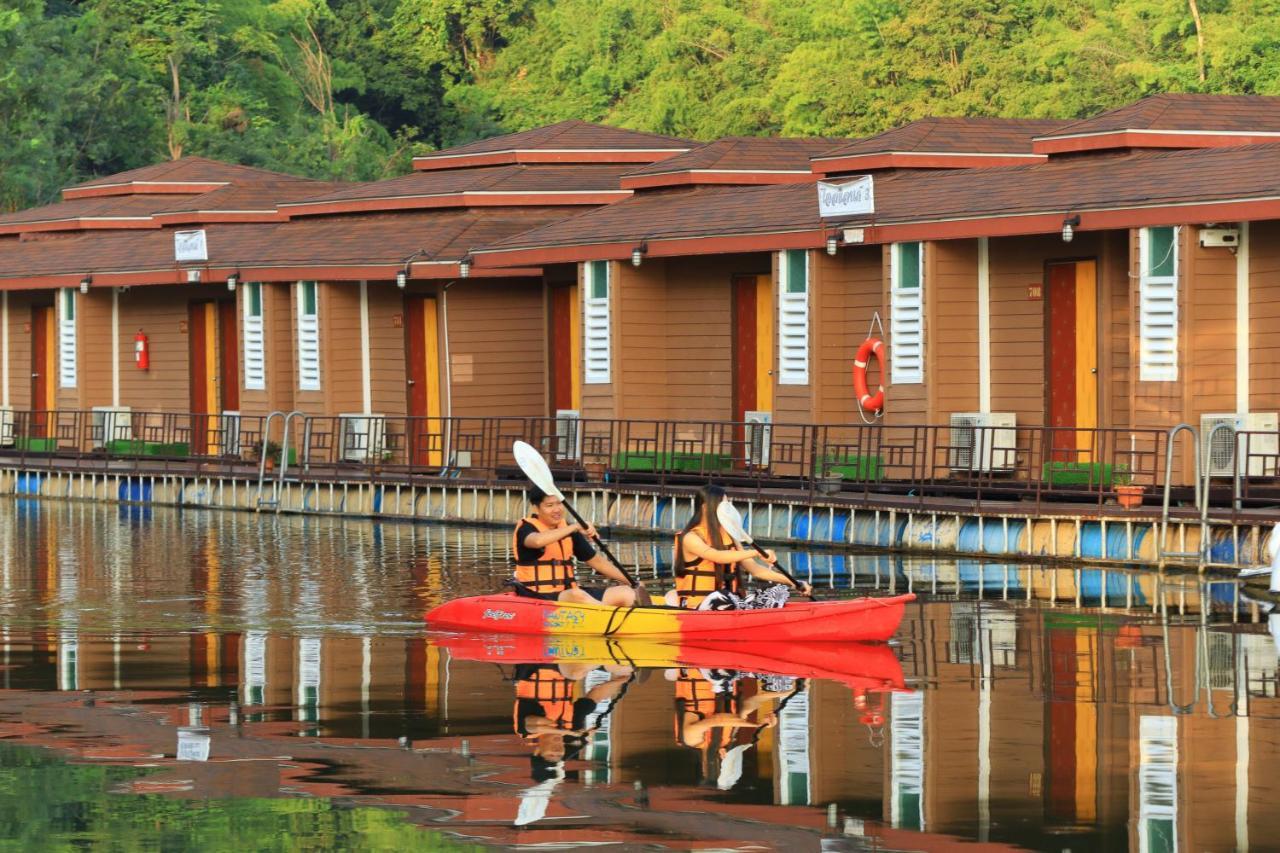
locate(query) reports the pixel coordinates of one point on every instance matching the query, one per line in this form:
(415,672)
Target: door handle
(1094,371)
(410,381)
(35,376)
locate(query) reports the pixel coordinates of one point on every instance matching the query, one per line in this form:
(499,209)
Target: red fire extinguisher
(141,351)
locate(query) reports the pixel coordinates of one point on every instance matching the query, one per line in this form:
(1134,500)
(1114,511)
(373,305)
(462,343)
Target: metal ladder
(1202,501)
(277,486)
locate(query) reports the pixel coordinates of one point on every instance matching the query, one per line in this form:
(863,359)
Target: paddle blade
(731,520)
(535,468)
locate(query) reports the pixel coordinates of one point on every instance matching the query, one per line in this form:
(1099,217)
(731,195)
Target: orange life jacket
(550,689)
(550,573)
(702,577)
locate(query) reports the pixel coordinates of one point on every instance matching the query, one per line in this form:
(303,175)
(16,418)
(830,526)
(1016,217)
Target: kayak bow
(861,619)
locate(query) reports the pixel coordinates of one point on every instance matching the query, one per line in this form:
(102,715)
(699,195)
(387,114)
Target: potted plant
(270,454)
(1128,494)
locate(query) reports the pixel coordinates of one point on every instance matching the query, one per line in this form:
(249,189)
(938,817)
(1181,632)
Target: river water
(190,679)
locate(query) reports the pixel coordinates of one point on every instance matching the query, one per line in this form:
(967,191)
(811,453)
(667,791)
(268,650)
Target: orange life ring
(867,400)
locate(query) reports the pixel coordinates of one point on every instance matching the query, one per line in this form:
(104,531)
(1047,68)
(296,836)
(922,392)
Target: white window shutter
(67,338)
(308,343)
(595,323)
(793,319)
(906,323)
(255,349)
(1158,318)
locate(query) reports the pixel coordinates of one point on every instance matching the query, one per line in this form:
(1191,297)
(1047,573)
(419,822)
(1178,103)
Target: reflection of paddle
(731,520)
(535,468)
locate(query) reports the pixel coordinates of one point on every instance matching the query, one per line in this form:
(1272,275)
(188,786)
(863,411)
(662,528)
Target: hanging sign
(190,246)
(849,198)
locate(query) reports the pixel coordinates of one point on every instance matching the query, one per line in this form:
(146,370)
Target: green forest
(351,89)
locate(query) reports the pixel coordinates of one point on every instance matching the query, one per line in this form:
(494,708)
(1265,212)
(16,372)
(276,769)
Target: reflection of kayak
(870,666)
(862,619)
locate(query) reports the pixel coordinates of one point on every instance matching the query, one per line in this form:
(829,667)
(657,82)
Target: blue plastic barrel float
(662,515)
(820,525)
(923,534)
(992,536)
(1118,547)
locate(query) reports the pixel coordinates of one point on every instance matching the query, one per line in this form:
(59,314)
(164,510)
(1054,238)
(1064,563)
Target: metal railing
(969,463)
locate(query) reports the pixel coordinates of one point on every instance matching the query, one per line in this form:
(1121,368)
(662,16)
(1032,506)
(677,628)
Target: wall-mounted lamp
(124,288)
(464,267)
(638,253)
(402,279)
(406,268)
(85,282)
(833,244)
(1069,226)
(232,281)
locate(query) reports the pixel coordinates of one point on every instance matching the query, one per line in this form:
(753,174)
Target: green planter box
(134,447)
(1084,474)
(855,467)
(683,462)
(36,445)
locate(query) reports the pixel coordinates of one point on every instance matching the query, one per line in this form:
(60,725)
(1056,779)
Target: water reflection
(232,658)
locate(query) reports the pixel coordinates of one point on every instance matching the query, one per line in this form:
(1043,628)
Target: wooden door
(202,337)
(1072,357)
(560,346)
(43,367)
(744,346)
(422,371)
(228,356)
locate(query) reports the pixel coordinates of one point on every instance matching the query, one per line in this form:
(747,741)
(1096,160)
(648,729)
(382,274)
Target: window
(793,318)
(255,354)
(595,326)
(67,338)
(906,318)
(308,337)
(1158,311)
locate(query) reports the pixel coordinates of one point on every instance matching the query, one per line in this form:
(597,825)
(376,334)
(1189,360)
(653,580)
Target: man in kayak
(545,547)
(703,568)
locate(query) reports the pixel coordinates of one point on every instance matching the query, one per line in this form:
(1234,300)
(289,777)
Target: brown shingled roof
(1221,113)
(940,135)
(251,202)
(99,212)
(542,182)
(746,153)
(173,175)
(1163,181)
(567,141)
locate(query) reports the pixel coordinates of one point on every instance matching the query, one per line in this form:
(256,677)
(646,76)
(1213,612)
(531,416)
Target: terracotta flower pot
(1130,496)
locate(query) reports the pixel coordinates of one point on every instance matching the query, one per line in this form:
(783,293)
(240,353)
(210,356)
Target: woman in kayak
(544,548)
(702,567)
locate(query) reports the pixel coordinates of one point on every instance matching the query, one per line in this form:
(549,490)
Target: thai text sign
(189,246)
(851,198)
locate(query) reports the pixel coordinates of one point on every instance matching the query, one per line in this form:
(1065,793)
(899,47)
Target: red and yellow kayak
(856,620)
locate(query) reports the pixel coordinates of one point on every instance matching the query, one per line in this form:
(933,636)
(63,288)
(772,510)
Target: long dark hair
(706,500)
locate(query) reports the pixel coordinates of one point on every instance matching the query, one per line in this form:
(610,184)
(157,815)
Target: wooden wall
(641,342)
(387,362)
(161,313)
(20,367)
(498,348)
(951,346)
(846,293)
(1264,316)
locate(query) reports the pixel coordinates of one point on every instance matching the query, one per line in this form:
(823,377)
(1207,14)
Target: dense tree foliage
(349,89)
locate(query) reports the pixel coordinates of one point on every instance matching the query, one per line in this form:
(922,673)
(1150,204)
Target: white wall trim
(115,347)
(984,325)
(366,365)
(4,348)
(1242,321)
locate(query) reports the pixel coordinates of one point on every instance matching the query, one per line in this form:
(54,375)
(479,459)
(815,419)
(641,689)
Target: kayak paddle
(535,468)
(731,520)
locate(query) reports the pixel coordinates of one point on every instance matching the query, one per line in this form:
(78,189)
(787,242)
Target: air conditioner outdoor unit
(983,442)
(758,433)
(8,426)
(229,433)
(361,437)
(110,423)
(1218,448)
(568,434)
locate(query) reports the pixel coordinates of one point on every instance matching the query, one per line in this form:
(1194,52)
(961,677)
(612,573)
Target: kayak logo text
(498,615)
